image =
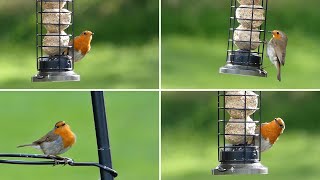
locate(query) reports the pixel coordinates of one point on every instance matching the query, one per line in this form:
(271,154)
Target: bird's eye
(63,124)
(85,33)
(278,33)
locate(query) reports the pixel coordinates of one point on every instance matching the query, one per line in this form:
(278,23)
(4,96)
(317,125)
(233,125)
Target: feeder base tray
(55,76)
(243,70)
(249,168)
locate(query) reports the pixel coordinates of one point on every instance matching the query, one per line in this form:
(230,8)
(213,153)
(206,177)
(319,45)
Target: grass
(187,155)
(107,66)
(193,62)
(133,131)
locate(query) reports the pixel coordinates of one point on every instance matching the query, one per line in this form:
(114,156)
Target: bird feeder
(103,145)
(246,40)
(237,151)
(54,30)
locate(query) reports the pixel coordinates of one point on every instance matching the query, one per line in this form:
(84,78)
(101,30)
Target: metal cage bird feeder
(103,145)
(239,141)
(246,41)
(54,30)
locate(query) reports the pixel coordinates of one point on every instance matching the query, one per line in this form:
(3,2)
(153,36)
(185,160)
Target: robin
(270,133)
(276,50)
(55,142)
(81,45)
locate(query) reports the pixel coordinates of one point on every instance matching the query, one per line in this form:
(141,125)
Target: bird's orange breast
(68,137)
(271,131)
(82,44)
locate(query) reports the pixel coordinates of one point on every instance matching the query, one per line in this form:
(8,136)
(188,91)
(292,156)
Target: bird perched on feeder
(57,141)
(82,45)
(270,133)
(276,50)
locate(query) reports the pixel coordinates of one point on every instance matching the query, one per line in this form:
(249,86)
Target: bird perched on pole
(270,133)
(276,50)
(82,45)
(57,141)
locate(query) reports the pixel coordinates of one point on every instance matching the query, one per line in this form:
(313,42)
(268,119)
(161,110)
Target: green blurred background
(124,50)
(189,136)
(133,132)
(195,37)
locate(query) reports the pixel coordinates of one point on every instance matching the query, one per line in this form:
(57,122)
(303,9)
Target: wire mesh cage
(54,30)
(239,139)
(246,39)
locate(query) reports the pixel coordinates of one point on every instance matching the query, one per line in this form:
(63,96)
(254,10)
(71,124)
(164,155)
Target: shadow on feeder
(57,17)
(248,59)
(242,155)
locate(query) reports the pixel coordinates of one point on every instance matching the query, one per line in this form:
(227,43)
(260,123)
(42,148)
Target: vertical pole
(100,121)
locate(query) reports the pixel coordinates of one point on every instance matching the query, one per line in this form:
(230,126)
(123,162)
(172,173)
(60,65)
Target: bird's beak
(92,33)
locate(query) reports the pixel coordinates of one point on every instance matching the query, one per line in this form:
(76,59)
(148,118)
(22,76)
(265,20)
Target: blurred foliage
(194,44)
(27,116)
(189,135)
(124,50)
(199,109)
(116,21)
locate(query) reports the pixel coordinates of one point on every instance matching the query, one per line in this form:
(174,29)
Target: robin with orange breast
(57,141)
(270,133)
(82,45)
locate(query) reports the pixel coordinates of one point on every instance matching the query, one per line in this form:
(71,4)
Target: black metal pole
(100,120)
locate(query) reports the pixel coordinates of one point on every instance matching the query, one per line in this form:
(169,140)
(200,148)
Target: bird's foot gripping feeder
(249,37)
(54,29)
(239,149)
(53,161)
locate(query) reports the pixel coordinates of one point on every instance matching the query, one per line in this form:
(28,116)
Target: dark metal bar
(260,126)
(234,23)
(245,120)
(237,122)
(72,48)
(265,27)
(101,126)
(218,123)
(224,123)
(230,22)
(238,108)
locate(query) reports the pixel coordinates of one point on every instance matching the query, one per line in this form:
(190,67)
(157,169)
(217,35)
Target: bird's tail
(24,145)
(278,66)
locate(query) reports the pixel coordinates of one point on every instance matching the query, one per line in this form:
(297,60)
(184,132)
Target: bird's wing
(49,137)
(271,52)
(256,138)
(67,51)
(280,49)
